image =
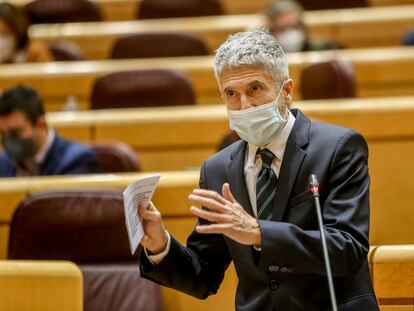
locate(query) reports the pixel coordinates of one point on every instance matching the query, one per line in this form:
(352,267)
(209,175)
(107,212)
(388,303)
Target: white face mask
(7,46)
(258,125)
(291,40)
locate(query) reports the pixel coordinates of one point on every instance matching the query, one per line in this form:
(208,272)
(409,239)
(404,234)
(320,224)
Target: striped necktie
(266,186)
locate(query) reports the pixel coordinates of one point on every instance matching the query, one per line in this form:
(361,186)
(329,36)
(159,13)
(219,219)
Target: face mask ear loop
(277,100)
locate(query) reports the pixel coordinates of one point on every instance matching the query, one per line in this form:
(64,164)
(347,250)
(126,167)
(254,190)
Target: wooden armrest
(40,286)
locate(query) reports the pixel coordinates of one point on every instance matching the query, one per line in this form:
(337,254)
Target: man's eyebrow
(226,89)
(257,81)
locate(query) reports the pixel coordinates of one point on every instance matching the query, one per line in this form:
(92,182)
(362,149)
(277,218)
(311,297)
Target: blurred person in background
(15,46)
(31,147)
(284,18)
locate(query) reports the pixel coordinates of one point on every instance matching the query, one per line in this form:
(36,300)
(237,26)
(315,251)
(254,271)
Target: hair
(258,48)
(17,21)
(277,8)
(22,98)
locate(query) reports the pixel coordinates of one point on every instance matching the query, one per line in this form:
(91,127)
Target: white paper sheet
(139,191)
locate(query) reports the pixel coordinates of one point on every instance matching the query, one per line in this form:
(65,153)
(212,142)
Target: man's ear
(288,90)
(41,123)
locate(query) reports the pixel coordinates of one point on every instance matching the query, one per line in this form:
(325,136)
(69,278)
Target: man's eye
(231,94)
(255,87)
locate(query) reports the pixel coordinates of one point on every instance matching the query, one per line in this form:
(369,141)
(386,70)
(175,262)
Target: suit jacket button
(283,269)
(273,268)
(289,269)
(274,284)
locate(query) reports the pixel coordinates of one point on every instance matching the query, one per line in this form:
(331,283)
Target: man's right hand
(155,236)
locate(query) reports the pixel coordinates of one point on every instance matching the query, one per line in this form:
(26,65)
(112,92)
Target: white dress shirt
(253,161)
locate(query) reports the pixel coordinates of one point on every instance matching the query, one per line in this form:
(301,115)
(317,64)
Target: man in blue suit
(31,148)
(258,210)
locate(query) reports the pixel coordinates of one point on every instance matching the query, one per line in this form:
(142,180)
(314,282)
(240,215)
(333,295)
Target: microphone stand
(313,181)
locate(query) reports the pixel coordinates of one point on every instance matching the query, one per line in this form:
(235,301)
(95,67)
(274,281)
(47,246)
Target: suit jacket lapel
(291,163)
(236,177)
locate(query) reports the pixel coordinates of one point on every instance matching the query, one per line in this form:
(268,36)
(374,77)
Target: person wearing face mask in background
(14,42)
(30,147)
(285,21)
(258,211)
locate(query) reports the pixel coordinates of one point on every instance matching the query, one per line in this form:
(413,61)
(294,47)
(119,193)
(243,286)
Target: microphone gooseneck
(314,188)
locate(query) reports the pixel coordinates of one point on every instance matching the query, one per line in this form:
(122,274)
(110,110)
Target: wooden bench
(353,28)
(40,285)
(379,72)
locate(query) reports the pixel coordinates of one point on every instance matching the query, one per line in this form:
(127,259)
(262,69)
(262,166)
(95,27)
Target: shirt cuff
(156,259)
(259,249)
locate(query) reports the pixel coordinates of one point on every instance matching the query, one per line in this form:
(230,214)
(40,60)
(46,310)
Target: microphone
(314,188)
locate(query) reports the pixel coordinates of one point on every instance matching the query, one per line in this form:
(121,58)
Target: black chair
(328,80)
(165,44)
(62,11)
(116,157)
(142,88)
(149,9)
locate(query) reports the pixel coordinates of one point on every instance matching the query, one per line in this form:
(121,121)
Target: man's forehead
(244,72)
(17,118)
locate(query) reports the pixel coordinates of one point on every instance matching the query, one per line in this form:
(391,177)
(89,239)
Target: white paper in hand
(139,191)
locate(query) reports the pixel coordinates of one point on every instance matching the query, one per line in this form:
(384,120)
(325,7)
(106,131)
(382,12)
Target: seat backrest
(66,51)
(165,44)
(62,11)
(80,225)
(88,228)
(328,80)
(116,158)
(149,9)
(332,4)
(142,88)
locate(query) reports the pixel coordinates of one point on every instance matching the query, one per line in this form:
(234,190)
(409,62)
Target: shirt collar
(277,145)
(42,153)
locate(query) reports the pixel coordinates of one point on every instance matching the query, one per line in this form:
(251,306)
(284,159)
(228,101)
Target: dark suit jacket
(289,273)
(63,158)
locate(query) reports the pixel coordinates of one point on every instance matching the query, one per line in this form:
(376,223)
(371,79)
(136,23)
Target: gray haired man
(257,208)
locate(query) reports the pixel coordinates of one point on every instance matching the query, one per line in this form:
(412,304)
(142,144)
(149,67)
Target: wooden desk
(353,28)
(379,72)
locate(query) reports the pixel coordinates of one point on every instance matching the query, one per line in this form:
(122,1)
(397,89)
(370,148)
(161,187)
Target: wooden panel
(382,26)
(393,275)
(4,240)
(379,72)
(172,189)
(167,160)
(396,308)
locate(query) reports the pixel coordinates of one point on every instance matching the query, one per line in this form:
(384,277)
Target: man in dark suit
(30,147)
(258,210)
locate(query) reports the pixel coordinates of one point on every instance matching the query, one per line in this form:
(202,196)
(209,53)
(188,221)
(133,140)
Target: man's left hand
(226,215)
